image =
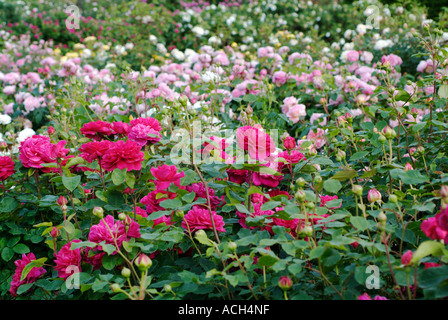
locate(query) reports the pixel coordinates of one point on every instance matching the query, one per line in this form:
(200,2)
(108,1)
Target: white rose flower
(25,134)
(5,119)
(210,76)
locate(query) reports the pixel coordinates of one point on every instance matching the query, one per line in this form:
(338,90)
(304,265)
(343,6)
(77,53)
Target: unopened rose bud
(122,216)
(340,155)
(289,143)
(55,232)
(382,139)
(389,133)
(167,288)
(308,231)
(317,179)
(408,167)
(232,246)
(373,195)
(406,258)
(143,262)
(420,150)
(393,198)
(115,288)
(357,190)
(98,212)
(64,208)
(323,101)
(382,217)
(125,272)
(62,200)
(285,283)
(249,110)
(300,195)
(183,100)
(310,205)
(301,182)
(312,151)
(179,213)
(444,193)
(51,130)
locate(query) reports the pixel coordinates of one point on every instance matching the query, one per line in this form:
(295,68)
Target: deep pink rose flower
(68,261)
(93,257)
(143,134)
(365,296)
(117,233)
(442,219)
(238,176)
(123,155)
(166,175)
(198,218)
(121,128)
(199,189)
(6,167)
(37,150)
(406,258)
(95,150)
(97,130)
(149,122)
(32,276)
(292,157)
(289,143)
(432,230)
(152,200)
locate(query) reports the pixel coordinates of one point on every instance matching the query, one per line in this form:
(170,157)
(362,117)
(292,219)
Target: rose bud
(51,130)
(373,195)
(406,258)
(98,212)
(389,133)
(289,143)
(62,201)
(55,232)
(408,167)
(285,283)
(143,262)
(357,190)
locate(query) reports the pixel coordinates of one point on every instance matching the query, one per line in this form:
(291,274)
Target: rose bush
(223,151)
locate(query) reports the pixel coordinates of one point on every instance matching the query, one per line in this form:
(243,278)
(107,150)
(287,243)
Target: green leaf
(189,197)
(24,288)
(316,252)
(346,174)
(432,277)
(332,185)
(71,182)
(33,264)
(8,204)
(267,261)
(130,180)
(270,205)
(359,155)
(427,248)
(359,223)
(74,161)
(171,203)
(118,176)
(21,248)
(7,254)
(443,91)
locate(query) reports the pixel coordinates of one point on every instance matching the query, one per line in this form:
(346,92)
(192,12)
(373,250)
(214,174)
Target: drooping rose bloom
(97,130)
(36,150)
(6,167)
(123,155)
(166,175)
(115,232)
(198,218)
(31,277)
(95,150)
(93,257)
(68,261)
